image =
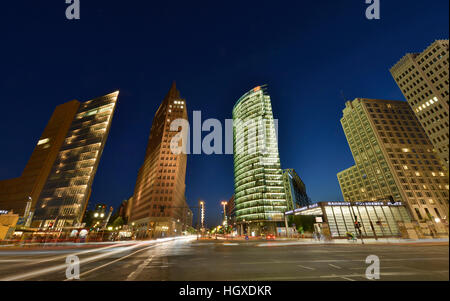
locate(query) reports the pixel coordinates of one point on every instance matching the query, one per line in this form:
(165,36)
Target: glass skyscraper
(295,189)
(258,179)
(66,192)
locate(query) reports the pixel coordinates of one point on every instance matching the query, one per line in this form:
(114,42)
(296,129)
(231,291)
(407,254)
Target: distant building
(394,159)
(424,81)
(295,189)
(55,185)
(100,216)
(187,218)
(125,209)
(258,184)
(231,211)
(159,203)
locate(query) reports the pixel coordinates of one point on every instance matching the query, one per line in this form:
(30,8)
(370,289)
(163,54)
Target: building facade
(231,212)
(376,219)
(260,199)
(295,189)
(159,203)
(16,193)
(23,195)
(125,209)
(423,79)
(65,194)
(394,159)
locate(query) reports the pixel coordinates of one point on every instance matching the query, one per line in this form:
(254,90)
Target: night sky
(306,51)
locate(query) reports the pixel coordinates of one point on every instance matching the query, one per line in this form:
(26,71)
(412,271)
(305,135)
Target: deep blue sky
(306,51)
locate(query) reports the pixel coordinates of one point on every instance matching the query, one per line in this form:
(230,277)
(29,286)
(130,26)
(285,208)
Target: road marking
(348,260)
(230,244)
(334,266)
(308,268)
(82,261)
(383,267)
(63,257)
(287,278)
(109,263)
(17,260)
(56,268)
(141,267)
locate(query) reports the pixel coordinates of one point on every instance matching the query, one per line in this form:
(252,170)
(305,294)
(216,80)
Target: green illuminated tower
(258,178)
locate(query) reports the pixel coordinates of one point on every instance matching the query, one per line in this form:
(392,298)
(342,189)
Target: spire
(173,92)
(174,86)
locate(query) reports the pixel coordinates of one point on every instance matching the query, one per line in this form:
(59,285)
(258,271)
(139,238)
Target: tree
(118,222)
(304,221)
(88,218)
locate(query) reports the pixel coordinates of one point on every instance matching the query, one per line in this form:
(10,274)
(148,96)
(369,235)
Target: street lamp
(224,204)
(201,215)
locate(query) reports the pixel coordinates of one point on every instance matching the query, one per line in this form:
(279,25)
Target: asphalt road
(185,259)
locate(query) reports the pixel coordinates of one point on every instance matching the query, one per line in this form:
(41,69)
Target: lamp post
(224,204)
(201,216)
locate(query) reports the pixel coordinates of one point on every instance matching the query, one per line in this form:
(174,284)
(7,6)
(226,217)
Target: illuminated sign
(306,207)
(369,203)
(338,204)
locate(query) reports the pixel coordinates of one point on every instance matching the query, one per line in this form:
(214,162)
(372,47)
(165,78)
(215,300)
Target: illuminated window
(43,141)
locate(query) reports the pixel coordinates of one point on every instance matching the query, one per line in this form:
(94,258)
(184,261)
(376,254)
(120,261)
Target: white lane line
(16,260)
(64,266)
(383,267)
(230,244)
(111,262)
(62,257)
(140,268)
(335,266)
(349,260)
(287,278)
(308,268)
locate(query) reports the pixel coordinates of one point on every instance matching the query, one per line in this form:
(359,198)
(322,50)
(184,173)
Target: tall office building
(66,192)
(16,193)
(25,193)
(395,161)
(424,80)
(295,189)
(159,203)
(260,199)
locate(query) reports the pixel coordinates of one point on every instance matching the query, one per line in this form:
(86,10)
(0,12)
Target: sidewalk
(308,241)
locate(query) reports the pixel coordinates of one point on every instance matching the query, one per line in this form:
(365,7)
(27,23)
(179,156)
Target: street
(186,259)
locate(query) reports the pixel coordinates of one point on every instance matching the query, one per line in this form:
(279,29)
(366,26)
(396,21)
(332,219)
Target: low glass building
(377,219)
